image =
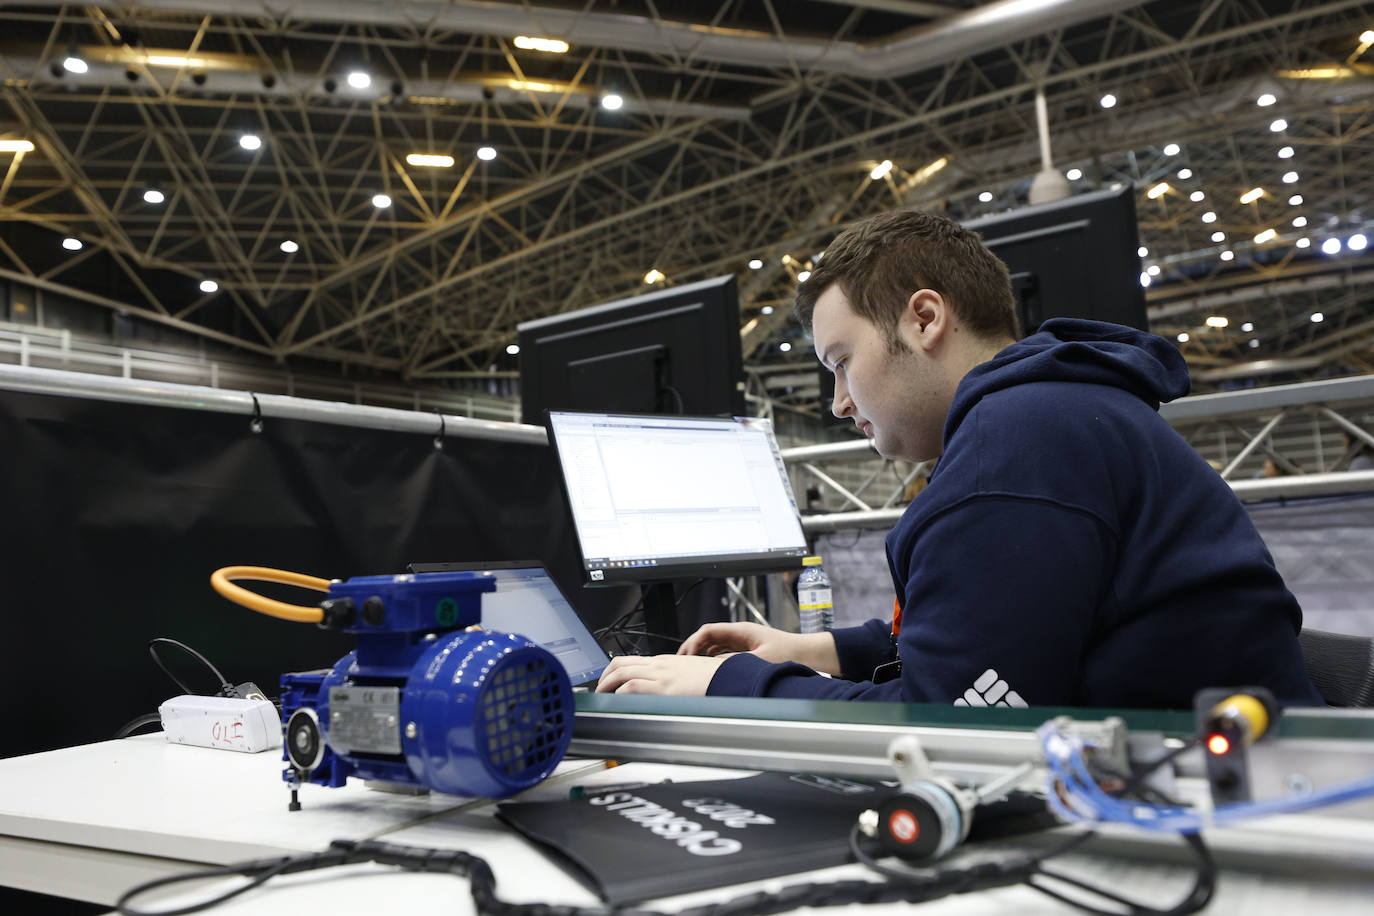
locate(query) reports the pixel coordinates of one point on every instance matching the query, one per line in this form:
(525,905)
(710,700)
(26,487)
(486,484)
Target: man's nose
(841,406)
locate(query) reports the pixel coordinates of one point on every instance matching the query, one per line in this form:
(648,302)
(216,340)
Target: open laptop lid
(527,601)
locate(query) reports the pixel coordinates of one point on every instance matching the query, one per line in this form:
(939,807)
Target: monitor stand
(660,616)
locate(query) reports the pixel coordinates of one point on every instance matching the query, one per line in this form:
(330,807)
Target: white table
(89,822)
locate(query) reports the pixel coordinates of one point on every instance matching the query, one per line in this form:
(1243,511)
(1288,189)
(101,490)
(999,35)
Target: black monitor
(674,350)
(1071,258)
(662,498)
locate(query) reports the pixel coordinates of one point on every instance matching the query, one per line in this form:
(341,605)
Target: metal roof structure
(746,129)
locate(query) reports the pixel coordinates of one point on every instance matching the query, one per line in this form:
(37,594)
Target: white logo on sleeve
(990,690)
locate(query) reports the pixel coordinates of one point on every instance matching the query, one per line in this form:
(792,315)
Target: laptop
(527,601)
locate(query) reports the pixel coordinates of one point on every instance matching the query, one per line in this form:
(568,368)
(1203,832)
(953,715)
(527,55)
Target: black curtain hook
(255,424)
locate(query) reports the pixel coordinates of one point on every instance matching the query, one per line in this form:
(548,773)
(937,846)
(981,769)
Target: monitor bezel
(708,566)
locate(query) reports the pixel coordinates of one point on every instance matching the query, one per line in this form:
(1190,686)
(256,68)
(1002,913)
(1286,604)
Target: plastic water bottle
(813,597)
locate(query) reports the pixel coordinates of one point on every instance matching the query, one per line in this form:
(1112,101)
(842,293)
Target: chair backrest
(1340,666)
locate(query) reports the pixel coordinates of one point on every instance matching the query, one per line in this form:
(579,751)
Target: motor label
(365,719)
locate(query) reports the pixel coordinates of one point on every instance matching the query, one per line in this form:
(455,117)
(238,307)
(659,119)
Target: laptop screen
(528,602)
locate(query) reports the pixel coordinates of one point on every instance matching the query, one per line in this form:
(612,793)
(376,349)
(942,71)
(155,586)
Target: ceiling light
(1218,236)
(1185,174)
(1299,222)
(1268,235)
(1144,278)
(1142,251)
(74,64)
(1158,191)
(290,247)
(1172,149)
(1285,152)
(16,146)
(1247,327)
(250,141)
(881,169)
(209,286)
(1266,100)
(512,349)
(1209,217)
(1278,125)
(72,244)
(1303,242)
(431,160)
(654,276)
(1153,270)
(1252,195)
(1331,246)
(1253,344)
(1295,200)
(785,347)
(1228,255)
(985,197)
(803,276)
(1196,196)
(1290,177)
(612,102)
(1107,101)
(1357,242)
(1183,337)
(486,153)
(1218,321)
(381,201)
(1073,174)
(766,310)
(1318,317)
(547,45)
(153,196)
(1367,37)
(359,80)
(755,264)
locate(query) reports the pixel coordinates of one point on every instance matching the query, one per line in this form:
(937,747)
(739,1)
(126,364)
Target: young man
(1070,548)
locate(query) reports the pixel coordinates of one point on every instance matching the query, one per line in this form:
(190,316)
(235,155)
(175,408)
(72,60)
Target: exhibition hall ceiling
(395,185)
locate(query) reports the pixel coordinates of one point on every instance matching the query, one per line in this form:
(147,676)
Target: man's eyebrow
(825,356)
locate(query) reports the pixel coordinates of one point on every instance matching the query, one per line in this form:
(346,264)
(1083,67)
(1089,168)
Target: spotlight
(290,247)
(250,141)
(612,102)
(755,264)
(486,153)
(1318,317)
(985,197)
(1266,100)
(1218,236)
(512,349)
(381,201)
(209,286)
(766,310)
(1073,174)
(153,196)
(1278,125)
(1290,177)
(1228,255)
(72,244)
(1295,200)
(1185,174)
(1183,337)
(1331,246)
(1196,196)
(1285,152)
(74,64)
(1107,101)
(1357,242)
(1172,149)
(359,80)
(1209,217)
(785,346)
(806,275)
(1247,327)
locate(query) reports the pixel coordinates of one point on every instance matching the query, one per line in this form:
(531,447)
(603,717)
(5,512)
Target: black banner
(114,515)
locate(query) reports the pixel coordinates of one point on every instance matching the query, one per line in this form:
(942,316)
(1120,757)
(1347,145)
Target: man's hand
(666,675)
(815,650)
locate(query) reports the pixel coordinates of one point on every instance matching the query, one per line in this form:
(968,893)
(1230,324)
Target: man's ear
(925,319)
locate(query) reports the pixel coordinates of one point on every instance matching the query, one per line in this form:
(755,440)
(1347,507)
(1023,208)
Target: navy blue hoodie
(1070,549)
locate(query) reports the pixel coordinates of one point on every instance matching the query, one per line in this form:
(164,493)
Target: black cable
(911,888)
(1204,884)
(1137,779)
(226,688)
(133,725)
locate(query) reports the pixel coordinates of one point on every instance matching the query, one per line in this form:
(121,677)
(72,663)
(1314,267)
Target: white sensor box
(223,722)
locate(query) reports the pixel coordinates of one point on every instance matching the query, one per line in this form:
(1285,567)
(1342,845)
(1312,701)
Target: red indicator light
(1218,744)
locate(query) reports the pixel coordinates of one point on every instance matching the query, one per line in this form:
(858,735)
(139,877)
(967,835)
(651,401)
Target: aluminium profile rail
(61,382)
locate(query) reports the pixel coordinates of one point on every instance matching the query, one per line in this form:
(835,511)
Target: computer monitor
(656,499)
(1071,258)
(674,350)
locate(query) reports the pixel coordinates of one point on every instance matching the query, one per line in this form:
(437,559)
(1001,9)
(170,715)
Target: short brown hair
(880,261)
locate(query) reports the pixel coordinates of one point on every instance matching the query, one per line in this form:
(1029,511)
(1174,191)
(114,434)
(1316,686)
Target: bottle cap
(811,561)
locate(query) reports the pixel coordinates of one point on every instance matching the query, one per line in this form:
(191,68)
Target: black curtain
(114,515)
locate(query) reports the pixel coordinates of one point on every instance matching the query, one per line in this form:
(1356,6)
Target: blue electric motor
(421,702)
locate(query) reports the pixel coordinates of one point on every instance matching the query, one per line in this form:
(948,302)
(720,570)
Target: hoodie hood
(1076,350)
